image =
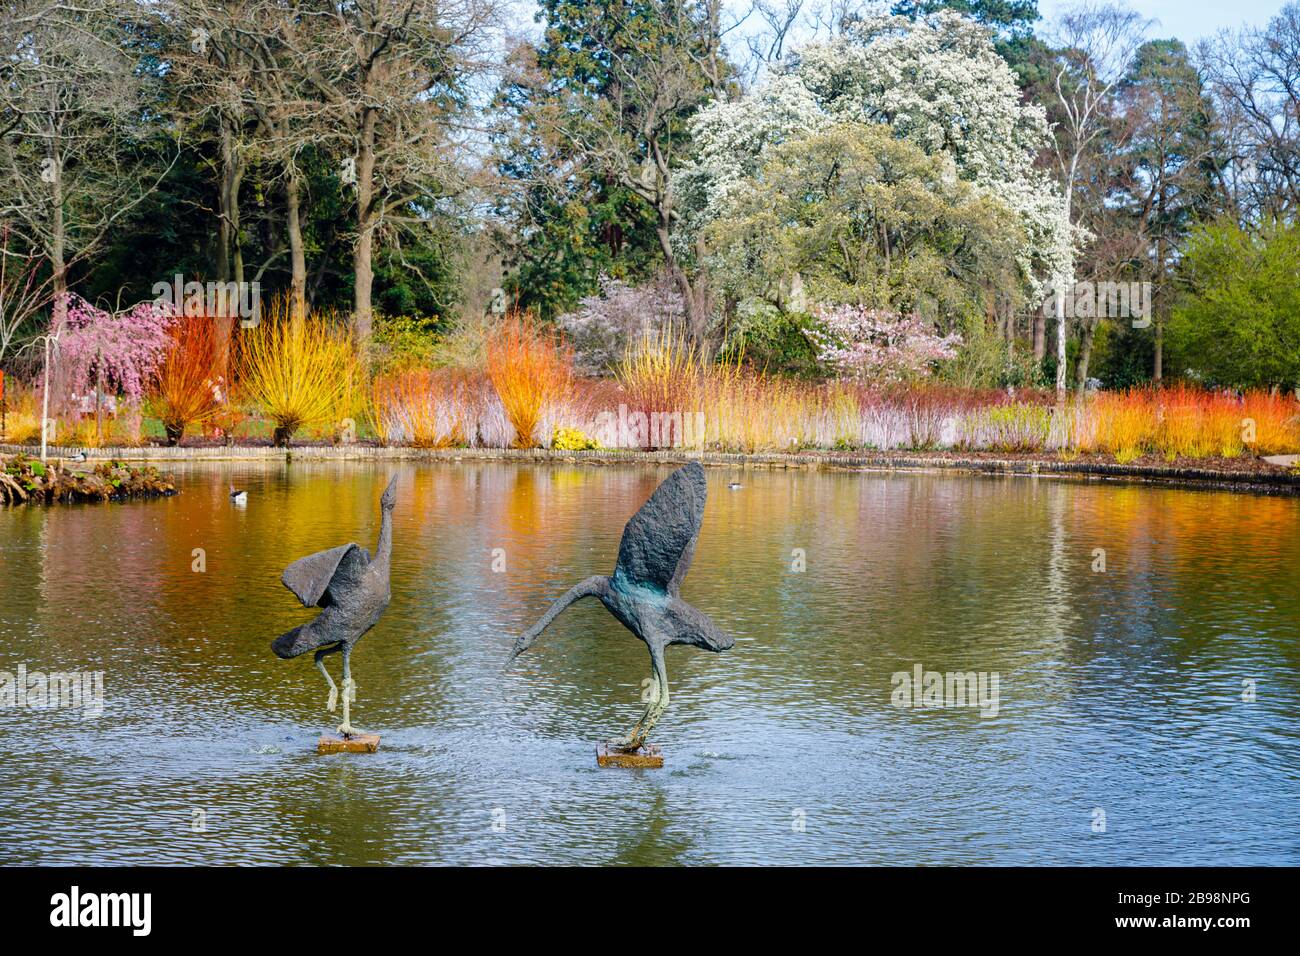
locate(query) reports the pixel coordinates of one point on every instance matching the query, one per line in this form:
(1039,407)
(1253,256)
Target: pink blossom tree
(108,353)
(876,346)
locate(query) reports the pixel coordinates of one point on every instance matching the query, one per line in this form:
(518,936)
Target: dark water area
(1120,736)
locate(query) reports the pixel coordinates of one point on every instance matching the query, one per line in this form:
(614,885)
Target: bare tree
(1168,151)
(73,154)
(399,78)
(660,64)
(23,294)
(235,65)
(832,17)
(1254,75)
(777,22)
(212,76)
(1096,43)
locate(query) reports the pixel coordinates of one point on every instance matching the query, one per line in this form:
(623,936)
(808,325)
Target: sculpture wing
(311,578)
(659,542)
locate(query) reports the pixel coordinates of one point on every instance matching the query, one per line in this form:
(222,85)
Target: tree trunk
(99,399)
(1157,372)
(1059,305)
(58,253)
(1061,323)
(237,252)
(229,267)
(1040,336)
(230,259)
(298,261)
(362,265)
(695,296)
(227,150)
(1087,336)
(1158,363)
(59,286)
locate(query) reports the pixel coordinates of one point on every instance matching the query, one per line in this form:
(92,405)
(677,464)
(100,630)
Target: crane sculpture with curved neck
(644,592)
(352,589)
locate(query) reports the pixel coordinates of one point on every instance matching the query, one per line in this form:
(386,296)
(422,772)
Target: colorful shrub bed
(307,378)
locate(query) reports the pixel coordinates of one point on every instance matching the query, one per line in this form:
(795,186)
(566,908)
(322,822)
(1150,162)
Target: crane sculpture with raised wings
(644,592)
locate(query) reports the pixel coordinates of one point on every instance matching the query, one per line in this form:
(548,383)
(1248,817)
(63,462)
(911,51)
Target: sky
(1186,20)
(1190,20)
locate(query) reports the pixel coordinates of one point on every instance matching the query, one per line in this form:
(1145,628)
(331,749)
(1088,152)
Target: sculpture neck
(384,550)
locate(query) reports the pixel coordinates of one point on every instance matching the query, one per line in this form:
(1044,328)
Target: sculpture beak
(286,645)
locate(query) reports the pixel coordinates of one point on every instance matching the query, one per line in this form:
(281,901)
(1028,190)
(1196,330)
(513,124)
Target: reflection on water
(1120,690)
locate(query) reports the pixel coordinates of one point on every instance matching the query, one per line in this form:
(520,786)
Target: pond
(1143,643)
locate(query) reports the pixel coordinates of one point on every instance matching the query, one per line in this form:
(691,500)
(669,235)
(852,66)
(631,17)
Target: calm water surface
(1120,691)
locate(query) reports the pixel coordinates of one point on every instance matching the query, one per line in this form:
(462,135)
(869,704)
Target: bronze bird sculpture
(352,590)
(644,592)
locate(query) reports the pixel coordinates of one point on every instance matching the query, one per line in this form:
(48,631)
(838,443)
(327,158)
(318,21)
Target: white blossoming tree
(937,83)
(862,217)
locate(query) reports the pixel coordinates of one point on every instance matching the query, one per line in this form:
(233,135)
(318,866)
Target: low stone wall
(1275,480)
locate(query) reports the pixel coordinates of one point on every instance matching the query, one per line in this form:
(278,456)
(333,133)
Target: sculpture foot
(345,730)
(628,745)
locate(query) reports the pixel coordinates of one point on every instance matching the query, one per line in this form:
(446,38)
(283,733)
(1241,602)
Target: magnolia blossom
(730,137)
(121,350)
(937,82)
(877,346)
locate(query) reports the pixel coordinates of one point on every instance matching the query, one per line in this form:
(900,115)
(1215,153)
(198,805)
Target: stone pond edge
(1281,480)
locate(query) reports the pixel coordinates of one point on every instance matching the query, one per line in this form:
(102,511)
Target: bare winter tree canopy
(1254,75)
(424,165)
(75,146)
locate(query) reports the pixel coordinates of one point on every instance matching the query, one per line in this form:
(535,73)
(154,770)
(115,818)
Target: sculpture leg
(660,703)
(320,665)
(633,741)
(349,692)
